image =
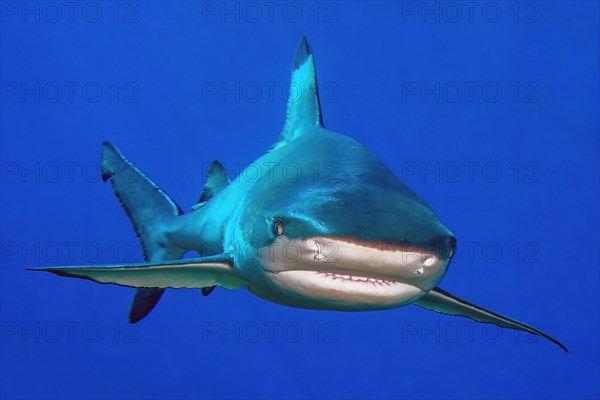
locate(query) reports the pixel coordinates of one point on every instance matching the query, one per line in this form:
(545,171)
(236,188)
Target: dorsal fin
(216,181)
(304,109)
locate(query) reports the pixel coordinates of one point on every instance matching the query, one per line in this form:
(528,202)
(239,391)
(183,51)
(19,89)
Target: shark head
(354,238)
(334,227)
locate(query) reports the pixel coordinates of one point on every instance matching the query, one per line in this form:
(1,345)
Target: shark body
(352,238)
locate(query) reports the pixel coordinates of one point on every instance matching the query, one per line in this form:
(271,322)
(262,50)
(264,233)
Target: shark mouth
(338,273)
(344,291)
(354,278)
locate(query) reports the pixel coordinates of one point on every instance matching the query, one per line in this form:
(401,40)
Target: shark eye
(278,227)
(452,242)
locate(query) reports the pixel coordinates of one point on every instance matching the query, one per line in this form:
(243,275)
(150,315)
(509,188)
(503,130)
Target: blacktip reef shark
(360,241)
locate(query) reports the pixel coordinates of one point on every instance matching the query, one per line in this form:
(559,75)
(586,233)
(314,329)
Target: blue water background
(157,66)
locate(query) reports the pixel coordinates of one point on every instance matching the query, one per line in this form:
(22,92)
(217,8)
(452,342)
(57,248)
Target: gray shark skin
(354,240)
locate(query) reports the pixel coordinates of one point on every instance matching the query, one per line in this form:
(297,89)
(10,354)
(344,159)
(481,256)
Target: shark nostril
(429,262)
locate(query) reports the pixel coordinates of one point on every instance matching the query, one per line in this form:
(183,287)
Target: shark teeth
(346,277)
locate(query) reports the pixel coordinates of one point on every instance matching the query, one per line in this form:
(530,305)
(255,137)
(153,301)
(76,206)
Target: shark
(355,240)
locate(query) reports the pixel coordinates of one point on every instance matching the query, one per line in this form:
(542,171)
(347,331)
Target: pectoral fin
(443,302)
(186,273)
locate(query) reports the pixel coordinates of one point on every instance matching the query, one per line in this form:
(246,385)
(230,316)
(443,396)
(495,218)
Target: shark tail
(154,216)
(149,209)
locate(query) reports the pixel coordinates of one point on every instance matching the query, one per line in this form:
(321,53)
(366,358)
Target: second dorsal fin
(216,181)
